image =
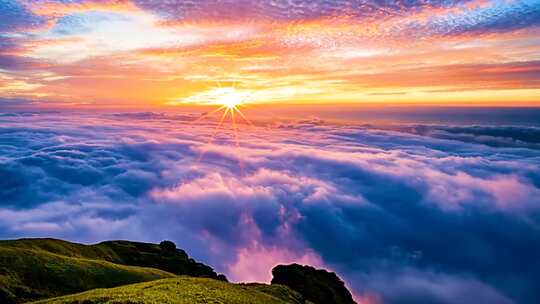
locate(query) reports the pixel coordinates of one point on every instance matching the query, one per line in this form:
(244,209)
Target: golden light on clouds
(125,53)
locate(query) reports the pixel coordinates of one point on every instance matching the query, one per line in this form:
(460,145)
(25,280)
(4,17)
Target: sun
(229,101)
(228,97)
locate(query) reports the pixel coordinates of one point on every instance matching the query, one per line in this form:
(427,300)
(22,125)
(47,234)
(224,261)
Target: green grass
(33,269)
(120,252)
(95,252)
(184,290)
(279,291)
(112,272)
(29,274)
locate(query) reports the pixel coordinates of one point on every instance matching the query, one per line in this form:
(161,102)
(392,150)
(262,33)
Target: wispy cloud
(448,49)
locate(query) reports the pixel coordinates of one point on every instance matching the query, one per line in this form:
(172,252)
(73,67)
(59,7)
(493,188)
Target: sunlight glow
(229,100)
(229,97)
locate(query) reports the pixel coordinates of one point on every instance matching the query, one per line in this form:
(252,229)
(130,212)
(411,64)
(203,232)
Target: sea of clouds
(403,213)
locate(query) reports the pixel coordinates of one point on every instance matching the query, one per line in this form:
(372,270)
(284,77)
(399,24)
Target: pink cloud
(254,262)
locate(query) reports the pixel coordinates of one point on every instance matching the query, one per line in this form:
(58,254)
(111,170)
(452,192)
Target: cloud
(461,77)
(285,9)
(448,18)
(500,136)
(495,18)
(412,286)
(423,213)
(253,263)
(456,17)
(15,17)
(451,51)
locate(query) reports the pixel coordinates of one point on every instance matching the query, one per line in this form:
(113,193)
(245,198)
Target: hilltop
(121,272)
(164,256)
(42,268)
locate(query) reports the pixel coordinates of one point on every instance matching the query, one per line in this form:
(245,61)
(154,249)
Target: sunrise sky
(137,53)
(396,143)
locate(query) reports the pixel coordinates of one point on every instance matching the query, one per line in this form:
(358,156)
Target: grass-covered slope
(122,252)
(124,272)
(184,290)
(27,274)
(33,269)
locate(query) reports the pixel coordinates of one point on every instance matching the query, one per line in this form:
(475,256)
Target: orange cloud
(148,60)
(56,9)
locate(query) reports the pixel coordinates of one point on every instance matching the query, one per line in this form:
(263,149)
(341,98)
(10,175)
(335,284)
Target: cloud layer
(408,214)
(58,53)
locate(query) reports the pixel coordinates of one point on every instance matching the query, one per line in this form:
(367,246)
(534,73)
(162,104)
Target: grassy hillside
(27,274)
(123,272)
(33,269)
(64,248)
(184,290)
(121,252)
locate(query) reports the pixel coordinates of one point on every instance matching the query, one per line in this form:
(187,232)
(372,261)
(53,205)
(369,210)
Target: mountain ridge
(57,271)
(38,268)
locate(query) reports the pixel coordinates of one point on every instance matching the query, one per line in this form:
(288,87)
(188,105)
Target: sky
(143,53)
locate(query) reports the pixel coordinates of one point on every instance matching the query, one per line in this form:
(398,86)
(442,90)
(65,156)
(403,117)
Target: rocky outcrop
(316,285)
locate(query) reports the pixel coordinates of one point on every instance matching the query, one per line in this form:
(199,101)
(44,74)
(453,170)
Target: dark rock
(222,277)
(161,256)
(316,285)
(167,246)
